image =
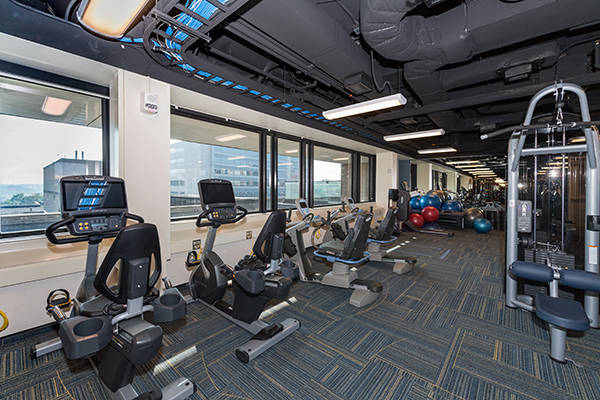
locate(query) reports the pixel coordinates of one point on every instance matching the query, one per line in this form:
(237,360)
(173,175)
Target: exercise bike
(349,251)
(254,280)
(94,208)
(109,328)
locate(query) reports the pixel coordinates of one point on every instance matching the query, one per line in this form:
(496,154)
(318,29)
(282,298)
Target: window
(288,173)
(202,150)
(364,179)
(332,176)
(45,133)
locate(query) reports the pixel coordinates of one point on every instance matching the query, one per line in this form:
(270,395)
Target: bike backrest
(275,225)
(133,251)
(356,241)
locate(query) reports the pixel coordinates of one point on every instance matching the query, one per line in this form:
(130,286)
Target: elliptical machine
(254,279)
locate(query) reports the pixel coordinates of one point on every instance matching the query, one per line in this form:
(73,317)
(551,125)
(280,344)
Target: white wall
(387,176)
(424,178)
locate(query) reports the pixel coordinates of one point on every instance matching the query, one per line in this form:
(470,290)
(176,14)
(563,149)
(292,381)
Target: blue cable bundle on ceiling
(200,7)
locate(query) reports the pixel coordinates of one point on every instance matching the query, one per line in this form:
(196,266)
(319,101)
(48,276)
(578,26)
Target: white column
(144,152)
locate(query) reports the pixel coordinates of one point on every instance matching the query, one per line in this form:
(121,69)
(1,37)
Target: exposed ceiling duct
(427,44)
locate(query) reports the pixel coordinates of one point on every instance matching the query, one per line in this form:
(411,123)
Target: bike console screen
(98,203)
(302,207)
(217,195)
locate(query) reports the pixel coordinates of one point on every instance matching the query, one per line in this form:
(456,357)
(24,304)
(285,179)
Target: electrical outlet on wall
(196,244)
(248,234)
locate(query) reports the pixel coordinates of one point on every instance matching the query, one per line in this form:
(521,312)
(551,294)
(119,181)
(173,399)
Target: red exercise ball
(417,219)
(430,214)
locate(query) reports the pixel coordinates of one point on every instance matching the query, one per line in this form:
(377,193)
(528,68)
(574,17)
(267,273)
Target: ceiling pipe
(333,55)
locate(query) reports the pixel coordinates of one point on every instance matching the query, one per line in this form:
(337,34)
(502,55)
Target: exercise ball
(482,225)
(451,205)
(430,214)
(416,219)
(430,200)
(439,193)
(415,203)
(471,214)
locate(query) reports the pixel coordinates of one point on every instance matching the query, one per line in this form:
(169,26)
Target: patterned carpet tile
(423,358)
(355,338)
(473,357)
(48,388)
(439,332)
(381,380)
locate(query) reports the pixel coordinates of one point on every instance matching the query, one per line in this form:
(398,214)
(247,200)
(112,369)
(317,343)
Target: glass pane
(45,134)
(202,150)
(268,180)
(332,177)
(365,178)
(288,173)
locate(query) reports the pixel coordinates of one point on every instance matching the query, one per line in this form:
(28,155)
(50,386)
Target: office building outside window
(288,173)
(45,133)
(201,150)
(332,176)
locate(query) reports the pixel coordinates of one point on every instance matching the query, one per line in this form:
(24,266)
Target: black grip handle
(49,232)
(202,215)
(242,215)
(134,217)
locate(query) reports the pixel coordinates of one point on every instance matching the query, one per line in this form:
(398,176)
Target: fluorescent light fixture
(439,150)
(236,158)
(109,18)
(463,162)
(366,106)
(465,167)
(227,138)
(291,151)
(243,166)
(55,106)
(287,163)
(340,159)
(414,135)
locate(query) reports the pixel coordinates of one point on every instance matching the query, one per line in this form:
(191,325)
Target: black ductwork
(428,44)
(323,46)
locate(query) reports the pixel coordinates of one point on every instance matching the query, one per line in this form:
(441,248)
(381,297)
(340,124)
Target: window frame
(48,79)
(268,140)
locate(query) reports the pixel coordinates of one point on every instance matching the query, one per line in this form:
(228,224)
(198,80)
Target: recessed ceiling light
(227,138)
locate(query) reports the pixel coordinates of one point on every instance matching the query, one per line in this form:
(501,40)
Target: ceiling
(469,67)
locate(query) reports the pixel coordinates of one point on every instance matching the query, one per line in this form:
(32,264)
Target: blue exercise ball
(452,205)
(431,200)
(415,204)
(482,225)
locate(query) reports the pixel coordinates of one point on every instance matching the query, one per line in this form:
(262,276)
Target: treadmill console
(217,195)
(97,203)
(302,207)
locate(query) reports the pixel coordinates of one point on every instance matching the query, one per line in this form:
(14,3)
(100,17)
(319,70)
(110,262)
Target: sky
(28,145)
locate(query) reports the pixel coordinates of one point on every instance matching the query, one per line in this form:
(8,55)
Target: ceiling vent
(358,84)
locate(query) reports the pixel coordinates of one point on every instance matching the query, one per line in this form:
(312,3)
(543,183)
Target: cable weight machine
(521,215)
